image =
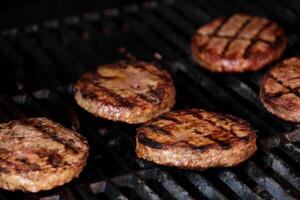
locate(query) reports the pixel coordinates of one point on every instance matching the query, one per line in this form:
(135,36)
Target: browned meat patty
(237,44)
(195,139)
(280,91)
(132,92)
(38,154)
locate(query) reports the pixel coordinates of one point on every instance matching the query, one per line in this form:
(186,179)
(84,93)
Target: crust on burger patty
(280,90)
(131,92)
(38,154)
(239,43)
(196,139)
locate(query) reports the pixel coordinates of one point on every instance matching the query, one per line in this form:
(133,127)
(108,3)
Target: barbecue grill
(41,61)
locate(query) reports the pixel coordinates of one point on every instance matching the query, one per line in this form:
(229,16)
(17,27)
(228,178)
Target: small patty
(239,43)
(131,92)
(280,90)
(195,139)
(38,154)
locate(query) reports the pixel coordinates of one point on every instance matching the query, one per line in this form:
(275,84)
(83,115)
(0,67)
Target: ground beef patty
(195,139)
(132,92)
(280,91)
(38,154)
(237,44)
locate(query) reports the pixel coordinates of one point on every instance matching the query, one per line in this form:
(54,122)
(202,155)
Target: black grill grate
(40,62)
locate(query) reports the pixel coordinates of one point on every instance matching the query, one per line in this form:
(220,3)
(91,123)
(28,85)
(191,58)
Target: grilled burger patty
(237,44)
(280,91)
(38,154)
(132,92)
(195,139)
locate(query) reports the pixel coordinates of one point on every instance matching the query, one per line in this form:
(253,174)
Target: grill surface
(40,62)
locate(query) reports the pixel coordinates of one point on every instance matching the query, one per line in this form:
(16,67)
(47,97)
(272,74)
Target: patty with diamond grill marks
(132,92)
(280,91)
(237,44)
(38,154)
(195,139)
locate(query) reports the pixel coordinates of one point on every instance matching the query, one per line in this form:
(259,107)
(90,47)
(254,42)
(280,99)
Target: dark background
(19,12)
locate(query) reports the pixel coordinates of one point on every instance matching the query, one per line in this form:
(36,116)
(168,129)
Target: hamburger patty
(280,91)
(132,92)
(195,139)
(38,154)
(237,44)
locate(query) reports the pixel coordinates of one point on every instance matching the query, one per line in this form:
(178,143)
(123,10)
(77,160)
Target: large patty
(237,44)
(280,91)
(196,139)
(37,154)
(132,92)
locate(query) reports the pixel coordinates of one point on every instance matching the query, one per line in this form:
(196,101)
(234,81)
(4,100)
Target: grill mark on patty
(143,67)
(246,39)
(200,117)
(88,94)
(216,31)
(52,157)
(152,96)
(3,170)
(36,157)
(147,98)
(55,160)
(26,166)
(3,151)
(169,118)
(221,143)
(256,39)
(234,37)
(224,144)
(158,94)
(9,166)
(279,94)
(231,39)
(106,77)
(68,144)
(201,148)
(213,34)
(157,129)
(149,142)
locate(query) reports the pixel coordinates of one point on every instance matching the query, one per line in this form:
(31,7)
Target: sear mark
(157,129)
(149,142)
